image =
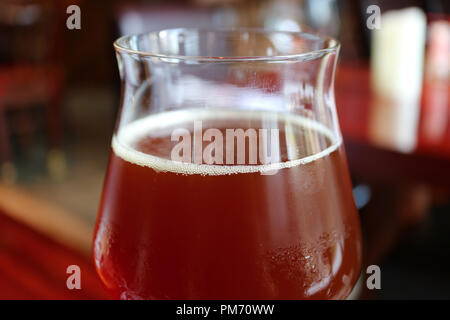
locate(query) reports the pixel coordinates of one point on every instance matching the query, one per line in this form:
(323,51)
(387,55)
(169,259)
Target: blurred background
(60,90)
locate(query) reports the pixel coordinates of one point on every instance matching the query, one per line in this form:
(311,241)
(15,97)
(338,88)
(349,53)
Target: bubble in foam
(124,140)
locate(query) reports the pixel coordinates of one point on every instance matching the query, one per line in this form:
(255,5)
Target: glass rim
(333,45)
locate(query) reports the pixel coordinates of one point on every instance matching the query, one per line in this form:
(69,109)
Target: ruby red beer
(238,227)
(170,230)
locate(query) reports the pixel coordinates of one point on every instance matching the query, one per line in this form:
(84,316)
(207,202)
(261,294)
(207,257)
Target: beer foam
(124,140)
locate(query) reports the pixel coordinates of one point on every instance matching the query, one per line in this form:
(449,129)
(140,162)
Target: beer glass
(227,177)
